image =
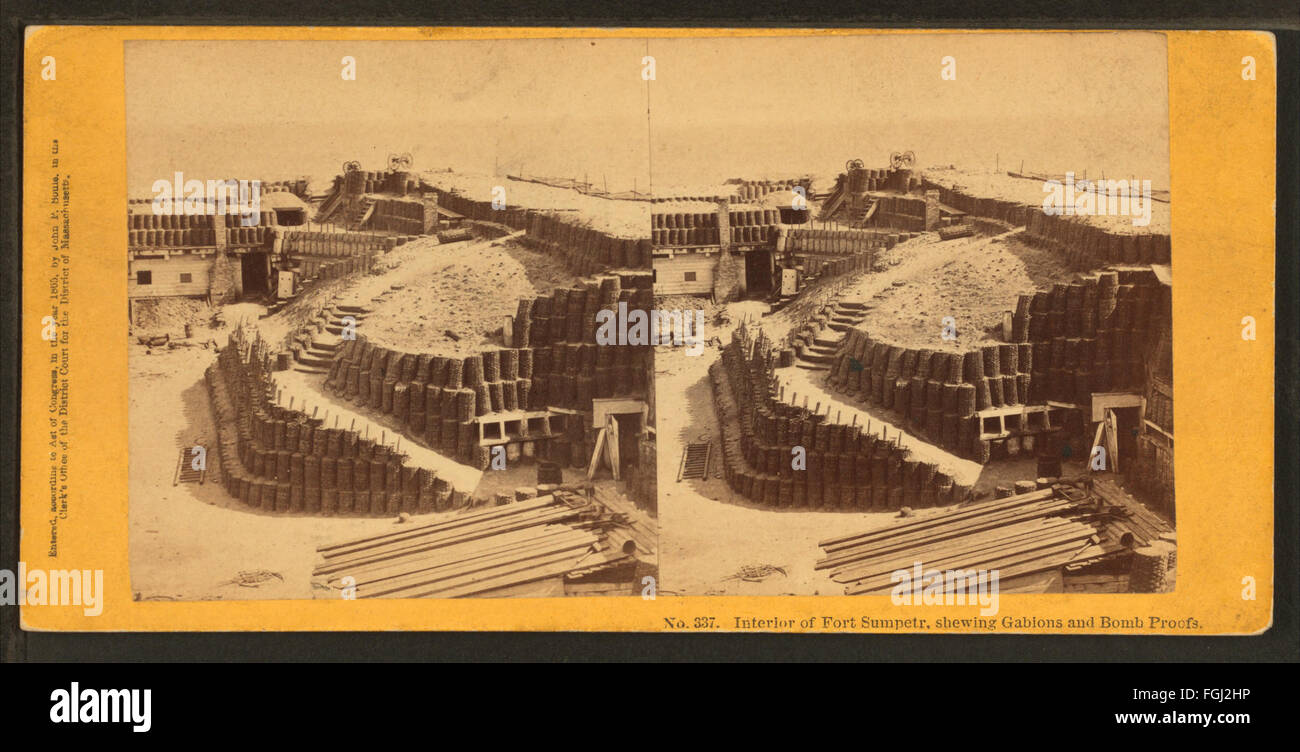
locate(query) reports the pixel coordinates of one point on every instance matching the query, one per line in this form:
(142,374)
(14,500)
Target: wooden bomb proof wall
(1097,335)
(847,468)
(555,362)
(279,459)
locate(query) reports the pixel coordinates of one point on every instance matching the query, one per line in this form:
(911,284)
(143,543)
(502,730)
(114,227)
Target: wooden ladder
(695,461)
(185,472)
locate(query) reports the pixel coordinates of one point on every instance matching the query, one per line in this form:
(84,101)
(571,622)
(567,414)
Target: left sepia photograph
(372,294)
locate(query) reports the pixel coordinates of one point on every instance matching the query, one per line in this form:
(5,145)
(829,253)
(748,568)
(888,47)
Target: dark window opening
(186,277)
(144,278)
(690,276)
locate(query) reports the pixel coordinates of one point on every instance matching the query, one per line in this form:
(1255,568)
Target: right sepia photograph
(930,280)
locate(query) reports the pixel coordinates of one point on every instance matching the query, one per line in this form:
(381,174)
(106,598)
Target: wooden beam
(595,456)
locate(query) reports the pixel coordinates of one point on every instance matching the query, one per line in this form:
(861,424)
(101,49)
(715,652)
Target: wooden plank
(514,584)
(468,531)
(1054,560)
(1112,440)
(333,549)
(948,533)
(981,559)
(595,455)
(505,574)
(1025,531)
(611,445)
(990,525)
(456,555)
(979,508)
(953,528)
(1038,560)
(934,524)
(1019,541)
(457,571)
(442,542)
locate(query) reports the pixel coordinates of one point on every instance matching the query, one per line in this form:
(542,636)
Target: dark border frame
(1280,643)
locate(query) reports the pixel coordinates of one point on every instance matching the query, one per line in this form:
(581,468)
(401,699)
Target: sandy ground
(467,288)
(189,542)
(707,533)
(1001,268)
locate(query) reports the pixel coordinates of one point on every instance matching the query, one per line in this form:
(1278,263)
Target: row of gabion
(940,393)
(279,459)
(585,250)
(847,467)
(1087,246)
(440,400)
(569,314)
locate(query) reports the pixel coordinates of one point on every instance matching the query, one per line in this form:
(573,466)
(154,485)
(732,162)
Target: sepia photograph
(410,343)
(383,336)
(366,356)
(936,278)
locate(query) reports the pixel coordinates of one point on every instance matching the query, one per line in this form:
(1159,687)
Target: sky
(717,107)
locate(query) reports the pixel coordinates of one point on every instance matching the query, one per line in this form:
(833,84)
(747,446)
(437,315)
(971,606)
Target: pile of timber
(1127,522)
(1022,536)
(485,553)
